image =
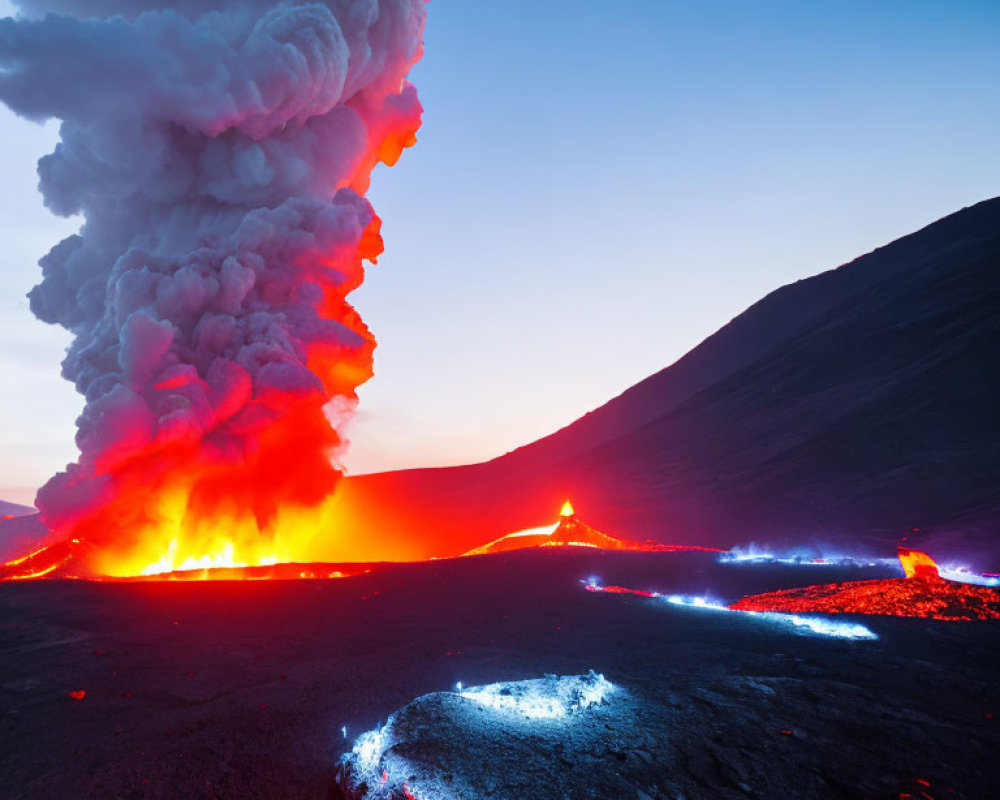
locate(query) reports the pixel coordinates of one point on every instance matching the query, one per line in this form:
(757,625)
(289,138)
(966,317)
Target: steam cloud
(218,153)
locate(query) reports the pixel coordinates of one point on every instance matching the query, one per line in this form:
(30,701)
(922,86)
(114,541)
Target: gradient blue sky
(597,187)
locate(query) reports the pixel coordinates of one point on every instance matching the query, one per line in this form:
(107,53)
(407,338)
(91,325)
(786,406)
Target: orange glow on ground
(273,572)
(39,573)
(933,598)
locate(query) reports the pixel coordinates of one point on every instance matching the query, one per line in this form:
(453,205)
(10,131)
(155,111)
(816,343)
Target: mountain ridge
(730,334)
(812,337)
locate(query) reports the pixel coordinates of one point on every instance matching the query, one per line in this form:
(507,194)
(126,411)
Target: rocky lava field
(258,689)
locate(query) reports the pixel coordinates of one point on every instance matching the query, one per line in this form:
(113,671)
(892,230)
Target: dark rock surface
(845,408)
(239,690)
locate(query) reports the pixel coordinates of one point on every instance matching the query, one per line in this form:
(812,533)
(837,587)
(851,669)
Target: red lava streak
(617,590)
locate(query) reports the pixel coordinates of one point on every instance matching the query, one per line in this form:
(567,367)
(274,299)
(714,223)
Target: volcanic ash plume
(218,153)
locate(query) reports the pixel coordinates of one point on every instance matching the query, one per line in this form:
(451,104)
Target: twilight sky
(597,187)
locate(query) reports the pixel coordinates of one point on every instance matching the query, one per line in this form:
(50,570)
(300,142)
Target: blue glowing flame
(818,625)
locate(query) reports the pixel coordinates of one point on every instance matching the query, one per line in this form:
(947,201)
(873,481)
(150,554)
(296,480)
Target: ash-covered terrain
(257,689)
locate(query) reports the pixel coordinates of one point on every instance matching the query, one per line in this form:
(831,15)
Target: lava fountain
(218,155)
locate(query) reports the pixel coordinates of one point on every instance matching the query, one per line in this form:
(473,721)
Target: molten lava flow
(932,598)
(207,291)
(922,593)
(566,510)
(278,572)
(917,564)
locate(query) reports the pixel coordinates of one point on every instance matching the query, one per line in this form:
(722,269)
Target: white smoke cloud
(130,9)
(217,152)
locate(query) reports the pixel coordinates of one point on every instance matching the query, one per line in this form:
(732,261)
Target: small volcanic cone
(570,532)
(922,593)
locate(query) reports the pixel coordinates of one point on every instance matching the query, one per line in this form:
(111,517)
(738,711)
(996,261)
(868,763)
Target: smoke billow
(218,153)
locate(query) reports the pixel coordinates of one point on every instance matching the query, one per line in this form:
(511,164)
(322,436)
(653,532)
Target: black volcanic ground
(846,408)
(239,690)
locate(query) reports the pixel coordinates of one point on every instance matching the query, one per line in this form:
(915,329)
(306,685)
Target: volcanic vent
(569,531)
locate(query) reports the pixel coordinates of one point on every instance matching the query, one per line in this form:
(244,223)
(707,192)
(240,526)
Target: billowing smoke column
(218,153)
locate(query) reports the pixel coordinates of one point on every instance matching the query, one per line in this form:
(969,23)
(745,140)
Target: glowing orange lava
(933,598)
(917,564)
(566,510)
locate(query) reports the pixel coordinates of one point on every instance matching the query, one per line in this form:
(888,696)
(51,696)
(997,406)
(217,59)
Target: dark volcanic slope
(848,406)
